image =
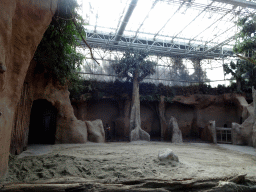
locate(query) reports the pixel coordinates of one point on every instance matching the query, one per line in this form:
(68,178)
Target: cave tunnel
(42,126)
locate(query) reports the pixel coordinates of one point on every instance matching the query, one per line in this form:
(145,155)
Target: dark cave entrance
(42,126)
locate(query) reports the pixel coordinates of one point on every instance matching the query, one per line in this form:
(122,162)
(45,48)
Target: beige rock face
(176,132)
(193,114)
(237,139)
(212,128)
(96,131)
(24,23)
(245,133)
(38,87)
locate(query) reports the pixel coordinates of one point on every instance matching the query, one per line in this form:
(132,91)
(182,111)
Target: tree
(246,39)
(56,54)
(134,67)
(243,72)
(244,48)
(179,73)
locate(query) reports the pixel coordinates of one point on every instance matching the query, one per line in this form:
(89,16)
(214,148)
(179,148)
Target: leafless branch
(247,59)
(74,21)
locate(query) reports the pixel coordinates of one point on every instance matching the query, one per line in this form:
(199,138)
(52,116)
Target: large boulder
(175,131)
(24,23)
(95,131)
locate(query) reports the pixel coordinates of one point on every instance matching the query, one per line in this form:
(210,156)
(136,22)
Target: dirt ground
(113,162)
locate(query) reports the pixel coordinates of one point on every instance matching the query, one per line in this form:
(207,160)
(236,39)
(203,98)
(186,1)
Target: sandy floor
(113,162)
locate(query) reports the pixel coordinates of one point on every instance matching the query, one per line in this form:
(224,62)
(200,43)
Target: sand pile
(30,169)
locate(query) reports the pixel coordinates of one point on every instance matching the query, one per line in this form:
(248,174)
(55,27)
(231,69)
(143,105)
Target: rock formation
(175,131)
(38,87)
(167,155)
(245,133)
(96,131)
(212,128)
(193,114)
(24,23)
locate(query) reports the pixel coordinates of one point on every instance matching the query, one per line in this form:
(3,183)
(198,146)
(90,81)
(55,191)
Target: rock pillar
(212,129)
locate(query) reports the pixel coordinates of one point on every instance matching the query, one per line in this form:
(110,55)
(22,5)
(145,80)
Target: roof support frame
(153,5)
(241,3)
(220,34)
(213,23)
(165,25)
(220,44)
(125,21)
(193,20)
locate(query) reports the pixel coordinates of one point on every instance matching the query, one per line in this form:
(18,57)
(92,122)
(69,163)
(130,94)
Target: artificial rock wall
(39,86)
(23,23)
(193,114)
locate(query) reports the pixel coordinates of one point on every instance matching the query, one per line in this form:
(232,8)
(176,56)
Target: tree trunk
(163,122)
(238,82)
(254,118)
(136,133)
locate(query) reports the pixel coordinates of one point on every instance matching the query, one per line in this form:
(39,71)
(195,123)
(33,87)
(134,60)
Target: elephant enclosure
(135,162)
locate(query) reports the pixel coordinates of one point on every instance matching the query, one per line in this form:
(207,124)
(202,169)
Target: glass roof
(191,29)
(201,23)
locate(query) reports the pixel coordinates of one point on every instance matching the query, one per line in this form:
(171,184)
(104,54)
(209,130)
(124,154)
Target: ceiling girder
(125,21)
(193,20)
(212,24)
(220,34)
(241,3)
(220,44)
(169,20)
(144,20)
(159,48)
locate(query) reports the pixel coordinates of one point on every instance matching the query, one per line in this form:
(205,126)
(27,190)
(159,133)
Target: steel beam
(212,24)
(193,20)
(221,44)
(241,3)
(153,5)
(159,48)
(169,20)
(125,21)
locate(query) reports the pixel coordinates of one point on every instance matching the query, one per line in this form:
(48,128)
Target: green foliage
(246,40)
(242,71)
(56,54)
(134,63)
(93,89)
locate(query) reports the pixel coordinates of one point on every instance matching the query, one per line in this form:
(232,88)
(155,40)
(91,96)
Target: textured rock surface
(139,134)
(237,139)
(245,134)
(167,155)
(176,132)
(24,23)
(212,128)
(68,128)
(192,113)
(96,131)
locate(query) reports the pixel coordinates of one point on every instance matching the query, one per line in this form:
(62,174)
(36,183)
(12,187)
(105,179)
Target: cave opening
(42,128)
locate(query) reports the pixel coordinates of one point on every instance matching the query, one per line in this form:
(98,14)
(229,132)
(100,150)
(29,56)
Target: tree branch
(74,21)
(247,59)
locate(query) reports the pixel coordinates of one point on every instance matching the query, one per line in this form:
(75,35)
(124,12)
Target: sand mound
(115,162)
(34,168)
